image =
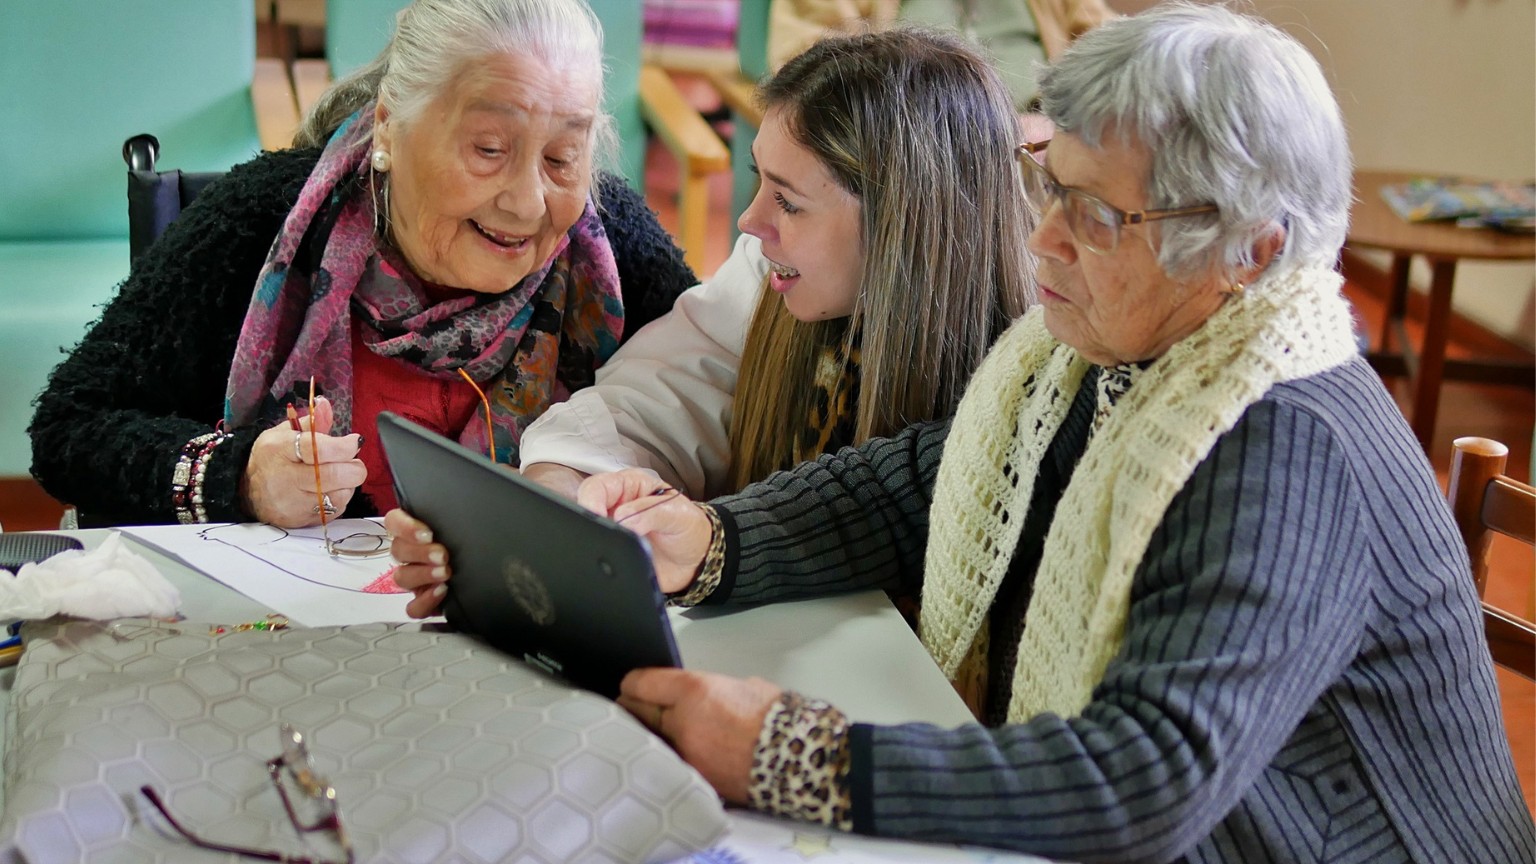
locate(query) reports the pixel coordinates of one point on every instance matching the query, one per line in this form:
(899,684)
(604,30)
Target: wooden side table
(1373,225)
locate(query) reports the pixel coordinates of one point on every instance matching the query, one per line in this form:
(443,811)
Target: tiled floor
(1503,413)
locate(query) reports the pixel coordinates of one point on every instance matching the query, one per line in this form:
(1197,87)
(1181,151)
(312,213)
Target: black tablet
(534,575)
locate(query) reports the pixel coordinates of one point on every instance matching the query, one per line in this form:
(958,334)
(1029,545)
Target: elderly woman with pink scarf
(440,231)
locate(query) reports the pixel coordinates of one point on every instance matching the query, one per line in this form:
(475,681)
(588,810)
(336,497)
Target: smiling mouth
(505,241)
(784,272)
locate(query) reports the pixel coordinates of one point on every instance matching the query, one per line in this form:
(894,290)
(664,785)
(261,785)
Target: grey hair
(1234,112)
(435,39)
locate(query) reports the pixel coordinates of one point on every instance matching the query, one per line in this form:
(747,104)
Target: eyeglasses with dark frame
(1094,222)
(295,763)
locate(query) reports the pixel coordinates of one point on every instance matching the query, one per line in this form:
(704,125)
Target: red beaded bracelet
(187,478)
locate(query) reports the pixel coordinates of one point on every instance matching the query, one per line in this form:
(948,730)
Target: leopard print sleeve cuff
(800,764)
(710,569)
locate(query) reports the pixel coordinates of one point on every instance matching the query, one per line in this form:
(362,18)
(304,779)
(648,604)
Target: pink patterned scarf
(532,344)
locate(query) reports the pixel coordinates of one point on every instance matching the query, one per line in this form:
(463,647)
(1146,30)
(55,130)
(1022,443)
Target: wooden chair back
(1485,500)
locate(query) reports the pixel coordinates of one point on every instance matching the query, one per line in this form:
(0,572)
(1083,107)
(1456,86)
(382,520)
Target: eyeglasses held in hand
(315,809)
(1094,222)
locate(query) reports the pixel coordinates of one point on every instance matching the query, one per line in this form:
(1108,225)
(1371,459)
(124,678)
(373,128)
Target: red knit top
(444,405)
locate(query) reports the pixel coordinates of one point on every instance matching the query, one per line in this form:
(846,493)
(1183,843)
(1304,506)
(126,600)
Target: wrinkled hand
(676,528)
(422,566)
(278,486)
(711,720)
(558,479)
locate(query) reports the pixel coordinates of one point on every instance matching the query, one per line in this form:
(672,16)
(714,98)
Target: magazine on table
(1506,205)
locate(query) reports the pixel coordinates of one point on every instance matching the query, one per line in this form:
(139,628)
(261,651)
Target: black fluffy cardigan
(151,373)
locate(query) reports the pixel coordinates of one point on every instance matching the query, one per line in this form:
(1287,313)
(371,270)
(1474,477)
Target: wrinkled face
(494,172)
(809,226)
(1119,306)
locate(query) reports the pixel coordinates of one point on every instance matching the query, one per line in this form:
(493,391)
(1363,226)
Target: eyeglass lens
(309,798)
(310,801)
(1092,222)
(359,545)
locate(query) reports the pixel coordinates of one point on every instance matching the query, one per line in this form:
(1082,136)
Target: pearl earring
(381,160)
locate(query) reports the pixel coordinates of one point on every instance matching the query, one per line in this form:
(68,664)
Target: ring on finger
(330,509)
(298,454)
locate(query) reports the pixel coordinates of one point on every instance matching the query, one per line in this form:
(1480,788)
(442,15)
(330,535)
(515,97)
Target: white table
(854,650)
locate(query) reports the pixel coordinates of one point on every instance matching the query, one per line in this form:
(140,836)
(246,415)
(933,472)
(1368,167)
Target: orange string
(314,446)
(490,431)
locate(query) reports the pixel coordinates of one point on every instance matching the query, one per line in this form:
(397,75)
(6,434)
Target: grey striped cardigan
(1304,676)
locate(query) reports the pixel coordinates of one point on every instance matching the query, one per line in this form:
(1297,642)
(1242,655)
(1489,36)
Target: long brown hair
(922,131)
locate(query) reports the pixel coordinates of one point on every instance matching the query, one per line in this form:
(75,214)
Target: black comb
(19,549)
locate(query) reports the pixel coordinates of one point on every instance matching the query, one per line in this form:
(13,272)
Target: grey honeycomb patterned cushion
(439,749)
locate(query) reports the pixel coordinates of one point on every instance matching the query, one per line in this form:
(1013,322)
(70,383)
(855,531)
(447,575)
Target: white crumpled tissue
(110,581)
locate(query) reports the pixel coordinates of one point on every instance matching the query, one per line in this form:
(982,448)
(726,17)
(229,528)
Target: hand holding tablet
(534,575)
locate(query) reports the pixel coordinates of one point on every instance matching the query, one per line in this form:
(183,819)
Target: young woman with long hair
(881,257)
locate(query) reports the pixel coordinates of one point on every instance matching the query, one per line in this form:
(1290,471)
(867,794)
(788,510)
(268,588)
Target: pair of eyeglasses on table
(311,807)
(361,544)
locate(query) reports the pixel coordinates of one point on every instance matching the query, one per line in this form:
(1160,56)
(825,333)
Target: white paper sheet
(758,839)
(287,570)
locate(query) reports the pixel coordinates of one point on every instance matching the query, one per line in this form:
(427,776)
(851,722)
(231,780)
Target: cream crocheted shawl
(1286,326)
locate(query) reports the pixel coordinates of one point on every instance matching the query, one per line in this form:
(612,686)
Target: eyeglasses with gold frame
(359,544)
(294,767)
(1094,222)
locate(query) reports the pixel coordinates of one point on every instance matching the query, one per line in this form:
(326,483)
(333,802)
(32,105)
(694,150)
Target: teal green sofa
(78,77)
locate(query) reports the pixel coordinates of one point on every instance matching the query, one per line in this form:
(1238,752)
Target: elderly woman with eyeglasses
(442,228)
(1177,547)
